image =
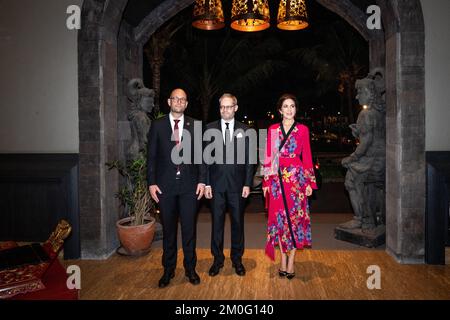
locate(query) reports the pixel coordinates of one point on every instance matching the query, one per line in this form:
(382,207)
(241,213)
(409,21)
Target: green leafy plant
(158,115)
(134,195)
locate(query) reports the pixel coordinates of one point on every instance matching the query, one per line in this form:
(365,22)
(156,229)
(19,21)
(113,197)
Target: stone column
(97,46)
(405,135)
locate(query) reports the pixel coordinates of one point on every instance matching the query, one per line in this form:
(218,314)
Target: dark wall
(437,224)
(36,191)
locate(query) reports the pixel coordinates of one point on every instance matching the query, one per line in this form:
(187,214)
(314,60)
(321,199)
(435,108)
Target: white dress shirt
(230,126)
(180,125)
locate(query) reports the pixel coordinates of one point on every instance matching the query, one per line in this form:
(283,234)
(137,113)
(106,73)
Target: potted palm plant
(136,231)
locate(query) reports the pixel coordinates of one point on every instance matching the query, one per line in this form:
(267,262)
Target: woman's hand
(308,191)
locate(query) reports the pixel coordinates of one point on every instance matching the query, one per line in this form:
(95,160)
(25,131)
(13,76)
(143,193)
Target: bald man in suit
(175,187)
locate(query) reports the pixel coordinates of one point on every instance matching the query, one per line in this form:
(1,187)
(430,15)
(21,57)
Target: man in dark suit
(175,186)
(228,181)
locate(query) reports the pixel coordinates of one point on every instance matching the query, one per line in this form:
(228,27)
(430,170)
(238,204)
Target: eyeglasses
(177,99)
(227,107)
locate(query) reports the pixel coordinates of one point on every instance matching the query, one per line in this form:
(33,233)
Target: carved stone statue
(365,176)
(141,105)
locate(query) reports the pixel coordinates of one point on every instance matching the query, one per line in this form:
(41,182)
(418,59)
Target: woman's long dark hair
(285,97)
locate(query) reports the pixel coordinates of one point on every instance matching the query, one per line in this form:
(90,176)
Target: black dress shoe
(165,279)
(290,275)
(282,273)
(239,269)
(215,269)
(193,277)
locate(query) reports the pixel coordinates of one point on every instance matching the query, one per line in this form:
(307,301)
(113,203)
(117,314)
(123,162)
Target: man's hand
(153,189)
(308,191)
(265,190)
(208,192)
(245,192)
(200,190)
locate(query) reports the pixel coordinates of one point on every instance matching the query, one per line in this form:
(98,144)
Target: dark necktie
(176,134)
(227,134)
(228,145)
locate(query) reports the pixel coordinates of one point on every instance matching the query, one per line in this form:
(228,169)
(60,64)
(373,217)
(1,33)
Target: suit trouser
(236,204)
(184,207)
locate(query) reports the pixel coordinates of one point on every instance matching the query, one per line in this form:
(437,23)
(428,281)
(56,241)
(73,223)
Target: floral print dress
(288,172)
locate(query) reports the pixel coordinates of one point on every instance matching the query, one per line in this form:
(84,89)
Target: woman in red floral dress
(288,181)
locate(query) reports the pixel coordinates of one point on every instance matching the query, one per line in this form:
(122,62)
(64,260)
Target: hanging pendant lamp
(208,15)
(250,15)
(292,15)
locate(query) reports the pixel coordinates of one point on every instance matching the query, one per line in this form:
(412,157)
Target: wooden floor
(321,274)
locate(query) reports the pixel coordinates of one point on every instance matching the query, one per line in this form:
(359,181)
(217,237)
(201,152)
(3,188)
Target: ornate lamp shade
(292,15)
(250,15)
(208,15)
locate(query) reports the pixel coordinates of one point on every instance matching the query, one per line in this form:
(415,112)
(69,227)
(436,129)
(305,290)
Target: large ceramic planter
(135,240)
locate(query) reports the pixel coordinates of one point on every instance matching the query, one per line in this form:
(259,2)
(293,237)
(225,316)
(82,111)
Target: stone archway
(400,49)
